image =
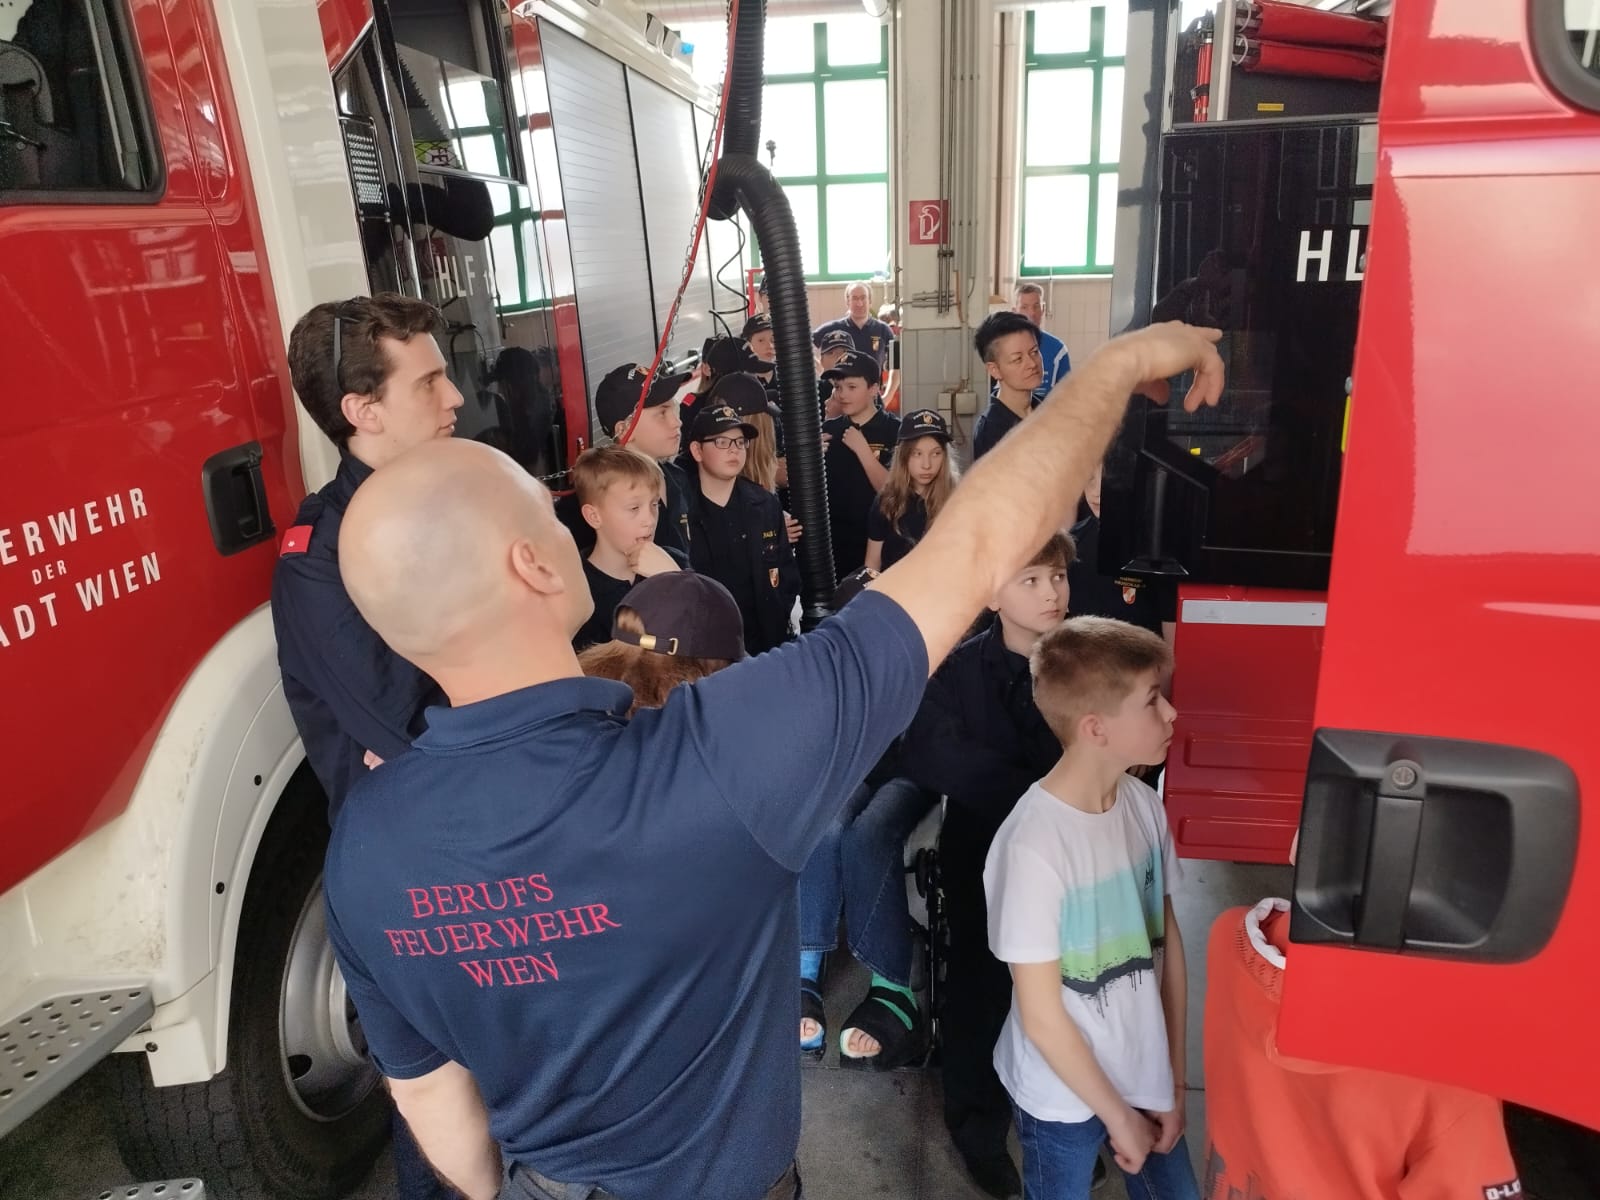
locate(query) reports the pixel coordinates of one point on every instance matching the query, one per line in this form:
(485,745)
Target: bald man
(570,935)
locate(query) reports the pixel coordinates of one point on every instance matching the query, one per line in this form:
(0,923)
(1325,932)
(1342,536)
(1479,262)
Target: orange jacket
(1279,1128)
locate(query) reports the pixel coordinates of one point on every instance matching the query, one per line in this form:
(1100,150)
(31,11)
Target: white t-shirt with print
(1086,890)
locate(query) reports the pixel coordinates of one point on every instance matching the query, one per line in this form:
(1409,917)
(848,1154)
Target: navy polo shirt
(597,916)
(897,543)
(994,422)
(872,338)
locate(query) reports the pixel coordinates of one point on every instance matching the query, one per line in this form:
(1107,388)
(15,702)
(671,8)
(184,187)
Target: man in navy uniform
(369,373)
(867,333)
(550,973)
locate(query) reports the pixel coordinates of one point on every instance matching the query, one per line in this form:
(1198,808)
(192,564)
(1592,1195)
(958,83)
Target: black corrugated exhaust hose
(743,183)
(741,131)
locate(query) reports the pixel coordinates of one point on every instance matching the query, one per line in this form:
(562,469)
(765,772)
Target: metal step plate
(171,1189)
(57,1040)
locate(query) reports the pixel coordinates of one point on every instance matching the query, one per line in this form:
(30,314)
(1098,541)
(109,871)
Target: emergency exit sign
(928,220)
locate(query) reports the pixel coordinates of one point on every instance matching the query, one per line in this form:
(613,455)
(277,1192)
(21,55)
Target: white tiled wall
(1078,311)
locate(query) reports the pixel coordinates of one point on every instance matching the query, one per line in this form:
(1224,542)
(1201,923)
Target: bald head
(452,548)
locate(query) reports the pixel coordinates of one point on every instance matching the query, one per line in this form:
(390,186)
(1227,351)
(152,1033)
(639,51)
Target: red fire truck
(1381,540)
(178,181)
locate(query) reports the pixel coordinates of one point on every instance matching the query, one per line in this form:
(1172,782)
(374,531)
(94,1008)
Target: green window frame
(822,74)
(1100,166)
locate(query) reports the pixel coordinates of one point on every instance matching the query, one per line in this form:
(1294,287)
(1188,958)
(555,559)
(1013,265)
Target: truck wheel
(298,1114)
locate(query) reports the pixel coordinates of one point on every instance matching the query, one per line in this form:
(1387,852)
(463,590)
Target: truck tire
(299,1113)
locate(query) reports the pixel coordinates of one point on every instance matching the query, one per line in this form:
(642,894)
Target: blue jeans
(859,866)
(1058,1163)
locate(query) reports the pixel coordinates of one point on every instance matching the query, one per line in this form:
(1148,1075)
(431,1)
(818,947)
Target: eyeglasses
(729,443)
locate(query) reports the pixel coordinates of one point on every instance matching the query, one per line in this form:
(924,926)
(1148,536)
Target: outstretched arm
(1026,488)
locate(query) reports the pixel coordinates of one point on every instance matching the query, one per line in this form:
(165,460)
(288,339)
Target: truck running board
(171,1189)
(49,1046)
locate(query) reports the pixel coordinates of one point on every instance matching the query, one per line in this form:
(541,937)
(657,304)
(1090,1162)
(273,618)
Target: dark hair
(363,367)
(998,325)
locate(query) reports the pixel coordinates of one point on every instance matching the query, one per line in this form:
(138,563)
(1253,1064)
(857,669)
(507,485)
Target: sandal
(811,1010)
(879,1016)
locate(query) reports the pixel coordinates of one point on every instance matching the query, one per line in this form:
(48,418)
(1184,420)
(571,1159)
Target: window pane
(479,155)
(1105,220)
(803,203)
(533,289)
(1055,221)
(502,249)
(854,41)
(789,121)
(1110,113)
(1061,29)
(856,126)
(858,228)
(468,109)
(791,47)
(1116,44)
(1060,114)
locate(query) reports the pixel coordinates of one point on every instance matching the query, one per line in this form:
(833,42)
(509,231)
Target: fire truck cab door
(1447,891)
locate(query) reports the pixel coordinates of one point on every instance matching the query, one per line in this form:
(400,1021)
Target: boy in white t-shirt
(1077,884)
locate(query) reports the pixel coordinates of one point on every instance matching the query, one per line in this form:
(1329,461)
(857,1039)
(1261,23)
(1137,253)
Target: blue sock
(811,965)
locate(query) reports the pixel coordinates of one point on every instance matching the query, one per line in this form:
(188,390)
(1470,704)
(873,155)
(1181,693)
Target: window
(1566,38)
(72,114)
(825,134)
(1072,129)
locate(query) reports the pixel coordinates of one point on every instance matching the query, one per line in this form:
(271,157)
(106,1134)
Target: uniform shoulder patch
(296,540)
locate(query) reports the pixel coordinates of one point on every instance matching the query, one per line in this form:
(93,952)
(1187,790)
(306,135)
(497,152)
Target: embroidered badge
(296,540)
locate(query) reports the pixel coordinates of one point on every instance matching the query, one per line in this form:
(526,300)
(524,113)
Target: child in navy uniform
(858,447)
(979,739)
(1078,883)
(620,495)
(737,528)
(921,479)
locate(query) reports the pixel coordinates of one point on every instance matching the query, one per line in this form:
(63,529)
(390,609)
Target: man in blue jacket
(370,374)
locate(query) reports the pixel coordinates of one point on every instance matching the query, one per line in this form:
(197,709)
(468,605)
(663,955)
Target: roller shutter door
(669,173)
(589,112)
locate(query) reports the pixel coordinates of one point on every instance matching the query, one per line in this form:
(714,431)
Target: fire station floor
(865,1134)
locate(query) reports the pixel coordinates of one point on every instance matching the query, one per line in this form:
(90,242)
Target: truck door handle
(1433,846)
(236,498)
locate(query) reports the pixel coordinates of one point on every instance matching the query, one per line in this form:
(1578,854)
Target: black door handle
(1433,846)
(236,498)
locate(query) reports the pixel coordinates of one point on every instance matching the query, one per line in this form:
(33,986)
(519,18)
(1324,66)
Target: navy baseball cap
(745,394)
(717,419)
(729,356)
(619,392)
(836,339)
(856,365)
(923,423)
(760,323)
(685,614)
